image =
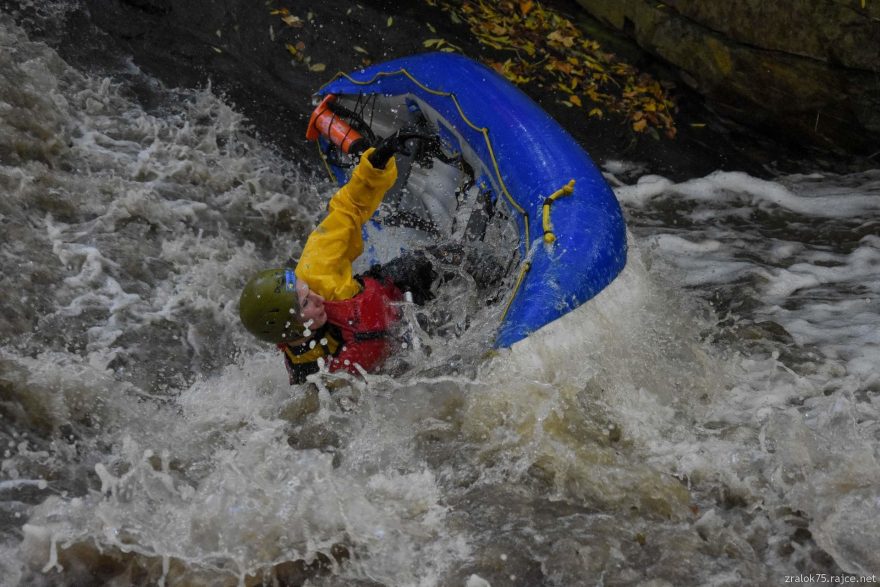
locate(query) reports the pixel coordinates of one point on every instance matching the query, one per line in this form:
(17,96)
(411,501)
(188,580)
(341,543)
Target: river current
(710,418)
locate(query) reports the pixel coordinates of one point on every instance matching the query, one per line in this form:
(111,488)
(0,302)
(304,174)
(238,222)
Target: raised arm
(325,264)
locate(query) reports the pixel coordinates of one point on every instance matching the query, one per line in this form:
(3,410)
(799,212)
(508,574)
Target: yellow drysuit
(325,264)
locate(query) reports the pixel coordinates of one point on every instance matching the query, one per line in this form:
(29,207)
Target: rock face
(806,69)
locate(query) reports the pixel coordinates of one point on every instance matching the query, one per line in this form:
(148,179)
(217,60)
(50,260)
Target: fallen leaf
(575,100)
(565,88)
(291,20)
(597,112)
(640,125)
(559,38)
(390,20)
(360,49)
(317,67)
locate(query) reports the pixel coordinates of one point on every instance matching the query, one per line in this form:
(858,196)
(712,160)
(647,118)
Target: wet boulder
(809,71)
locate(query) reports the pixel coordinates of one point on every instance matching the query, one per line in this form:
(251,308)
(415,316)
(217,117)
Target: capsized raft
(572,232)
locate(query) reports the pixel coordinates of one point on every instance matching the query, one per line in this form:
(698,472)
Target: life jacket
(356,333)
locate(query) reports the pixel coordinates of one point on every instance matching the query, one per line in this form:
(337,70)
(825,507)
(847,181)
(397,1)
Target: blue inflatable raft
(572,234)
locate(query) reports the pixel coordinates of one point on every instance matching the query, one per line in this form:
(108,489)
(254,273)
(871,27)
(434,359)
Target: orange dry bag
(326,122)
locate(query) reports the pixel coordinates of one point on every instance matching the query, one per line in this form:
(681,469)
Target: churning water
(710,418)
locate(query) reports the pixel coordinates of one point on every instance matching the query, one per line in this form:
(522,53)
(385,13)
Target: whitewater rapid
(710,418)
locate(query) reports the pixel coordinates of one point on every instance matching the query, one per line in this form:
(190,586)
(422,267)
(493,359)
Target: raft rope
(324,160)
(522,275)
(527,264)
(565,190)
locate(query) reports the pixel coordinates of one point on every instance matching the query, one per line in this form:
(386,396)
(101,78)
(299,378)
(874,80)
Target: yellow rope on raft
(324,161)
(566,190)
(522,275)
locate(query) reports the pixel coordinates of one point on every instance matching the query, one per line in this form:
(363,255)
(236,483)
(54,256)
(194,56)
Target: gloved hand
(395,143)
(385,150)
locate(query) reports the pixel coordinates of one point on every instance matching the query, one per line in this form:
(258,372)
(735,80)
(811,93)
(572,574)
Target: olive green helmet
(269,307)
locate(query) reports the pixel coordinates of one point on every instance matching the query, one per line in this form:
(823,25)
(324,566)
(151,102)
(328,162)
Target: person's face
(311,306)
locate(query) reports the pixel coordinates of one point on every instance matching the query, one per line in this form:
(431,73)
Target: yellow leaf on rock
(560,38)
(640,125)
(575,100)
(596,112)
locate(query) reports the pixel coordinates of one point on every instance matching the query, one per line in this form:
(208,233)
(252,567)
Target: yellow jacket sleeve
(325,264)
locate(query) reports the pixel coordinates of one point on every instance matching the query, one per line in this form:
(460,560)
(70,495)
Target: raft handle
(565,190)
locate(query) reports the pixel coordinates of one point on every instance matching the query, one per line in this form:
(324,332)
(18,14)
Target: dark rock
(805,71)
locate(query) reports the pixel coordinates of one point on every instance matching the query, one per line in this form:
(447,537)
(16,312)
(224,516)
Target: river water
(710,418)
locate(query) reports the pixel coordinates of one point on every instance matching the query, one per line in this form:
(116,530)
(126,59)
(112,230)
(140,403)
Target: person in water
(319,311)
